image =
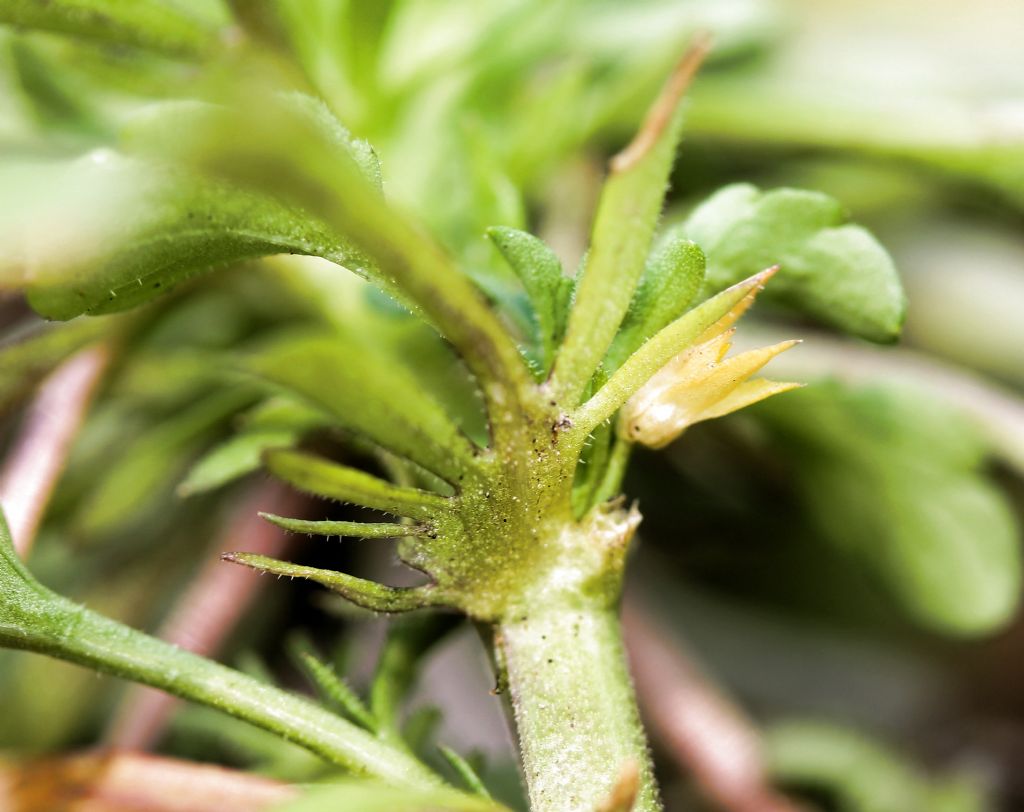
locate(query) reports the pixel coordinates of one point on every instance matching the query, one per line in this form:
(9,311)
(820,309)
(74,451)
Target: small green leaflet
(831,269)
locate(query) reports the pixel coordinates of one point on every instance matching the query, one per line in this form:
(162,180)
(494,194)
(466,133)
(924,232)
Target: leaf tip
(660,114)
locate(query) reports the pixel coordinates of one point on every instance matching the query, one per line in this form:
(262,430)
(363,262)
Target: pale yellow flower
(700,383)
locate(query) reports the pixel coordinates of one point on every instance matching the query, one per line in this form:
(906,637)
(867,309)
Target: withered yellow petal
(747,394)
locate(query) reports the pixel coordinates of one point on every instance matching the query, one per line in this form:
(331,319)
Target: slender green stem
(34,619)
(615,471)
(574,708)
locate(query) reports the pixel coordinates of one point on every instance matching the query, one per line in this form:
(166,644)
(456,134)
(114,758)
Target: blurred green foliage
(477,115)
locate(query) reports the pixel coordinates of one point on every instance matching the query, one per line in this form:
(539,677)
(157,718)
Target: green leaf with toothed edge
(331,687)
(831,269)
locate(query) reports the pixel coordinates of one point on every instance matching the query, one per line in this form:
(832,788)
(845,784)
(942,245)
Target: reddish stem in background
(208,611)
(43,444)
(707,735)
(130,781)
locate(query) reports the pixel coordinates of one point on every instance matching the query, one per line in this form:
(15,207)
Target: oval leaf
(831,269)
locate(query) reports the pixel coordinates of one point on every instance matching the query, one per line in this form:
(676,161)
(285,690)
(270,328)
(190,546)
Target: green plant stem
(615,470)
(574,706)
(33,618)
(107,646)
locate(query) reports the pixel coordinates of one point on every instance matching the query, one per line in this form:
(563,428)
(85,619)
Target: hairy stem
(574,708)
(33,618)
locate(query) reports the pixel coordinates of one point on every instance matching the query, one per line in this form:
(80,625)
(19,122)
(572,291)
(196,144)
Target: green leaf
(830,268)
(671,281)
(141,23)
(234,458)
(465,772)
(292,159)
(275,423)
(367,393)
(367,594)
(130,229)
(409,638)
(893,478)
(363,530)
(320,477)
(547,288)
(626,216)
(331,687)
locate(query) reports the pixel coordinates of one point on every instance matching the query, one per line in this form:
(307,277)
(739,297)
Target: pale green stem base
(574,708)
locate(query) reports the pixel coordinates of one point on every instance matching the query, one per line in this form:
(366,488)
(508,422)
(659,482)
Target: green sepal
(367,594)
